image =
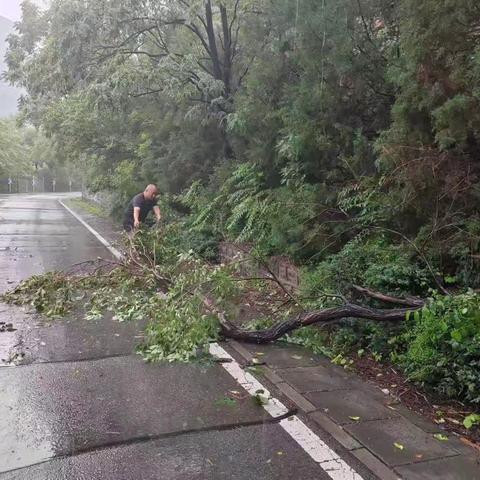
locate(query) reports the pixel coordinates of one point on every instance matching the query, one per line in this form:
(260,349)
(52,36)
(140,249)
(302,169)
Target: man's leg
(128,227)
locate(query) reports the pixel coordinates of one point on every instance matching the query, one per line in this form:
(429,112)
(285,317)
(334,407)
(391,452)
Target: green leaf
(441,437)
(471,420)
(456,335)
(260,399)
(226,402)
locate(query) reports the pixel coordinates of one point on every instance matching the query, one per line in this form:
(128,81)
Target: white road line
(319,451)
(101,239)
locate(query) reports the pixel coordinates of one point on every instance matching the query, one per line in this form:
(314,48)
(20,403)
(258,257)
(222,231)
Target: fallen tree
(327,315)
(172,288)
(320,317)
(189,303)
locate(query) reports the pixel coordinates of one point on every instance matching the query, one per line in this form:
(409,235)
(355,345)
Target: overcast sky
(11,8)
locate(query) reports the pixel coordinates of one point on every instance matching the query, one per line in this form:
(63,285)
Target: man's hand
(136,217)
(158,215)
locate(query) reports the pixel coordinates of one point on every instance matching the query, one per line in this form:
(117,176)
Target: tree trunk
(327,315)
(212,43)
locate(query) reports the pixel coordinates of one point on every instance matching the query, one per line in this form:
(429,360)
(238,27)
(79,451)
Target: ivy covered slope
(344,135)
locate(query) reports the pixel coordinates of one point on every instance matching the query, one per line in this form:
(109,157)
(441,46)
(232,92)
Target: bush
(443,347)
(371,262)
(465,251)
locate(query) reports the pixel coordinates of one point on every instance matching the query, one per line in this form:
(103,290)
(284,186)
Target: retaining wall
(282,267)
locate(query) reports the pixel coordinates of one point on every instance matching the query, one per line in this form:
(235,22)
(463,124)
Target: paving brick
(269,374)
(316,379)
(341,405)
(380,436)
(453,468)
(284,356)
(336,431)
(421,422)
(375,465)
(241,350)
(300,401)
(465,447)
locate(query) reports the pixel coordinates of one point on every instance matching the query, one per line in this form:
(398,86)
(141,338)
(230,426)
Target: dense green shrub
(282,220)
(370,261)
(443,346)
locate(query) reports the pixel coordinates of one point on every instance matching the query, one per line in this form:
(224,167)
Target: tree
(319,89)
(14,158)
(190,51)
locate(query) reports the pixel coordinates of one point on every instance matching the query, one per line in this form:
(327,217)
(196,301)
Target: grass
(88,206)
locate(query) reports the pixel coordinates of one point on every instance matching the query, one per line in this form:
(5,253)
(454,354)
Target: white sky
(11,8)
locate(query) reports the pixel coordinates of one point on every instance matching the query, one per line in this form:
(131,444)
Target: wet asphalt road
(76,403)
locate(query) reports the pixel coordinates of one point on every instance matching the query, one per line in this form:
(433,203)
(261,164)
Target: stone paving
(392,441)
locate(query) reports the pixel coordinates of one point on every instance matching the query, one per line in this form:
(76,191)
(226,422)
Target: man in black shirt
(139,207)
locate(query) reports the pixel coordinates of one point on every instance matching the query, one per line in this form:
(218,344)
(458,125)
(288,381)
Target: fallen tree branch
(144,263)
(328,315)
(408,302)
(97,265)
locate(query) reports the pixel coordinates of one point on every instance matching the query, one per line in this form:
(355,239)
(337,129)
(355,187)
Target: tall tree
(189,50)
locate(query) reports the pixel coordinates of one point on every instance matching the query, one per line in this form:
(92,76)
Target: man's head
(150,192)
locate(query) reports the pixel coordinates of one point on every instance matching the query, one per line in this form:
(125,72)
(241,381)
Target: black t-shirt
(143,204)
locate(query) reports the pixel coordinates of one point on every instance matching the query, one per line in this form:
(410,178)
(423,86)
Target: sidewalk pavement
(389,439)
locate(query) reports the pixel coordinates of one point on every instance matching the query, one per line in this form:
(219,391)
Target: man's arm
(156,211)
(136,217)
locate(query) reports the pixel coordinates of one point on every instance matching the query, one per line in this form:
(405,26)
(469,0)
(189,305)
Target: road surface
(77,403)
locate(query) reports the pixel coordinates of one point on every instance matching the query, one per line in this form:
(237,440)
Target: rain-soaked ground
(77,403)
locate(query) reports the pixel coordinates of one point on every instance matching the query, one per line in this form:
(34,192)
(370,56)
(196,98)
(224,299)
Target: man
(139,207)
